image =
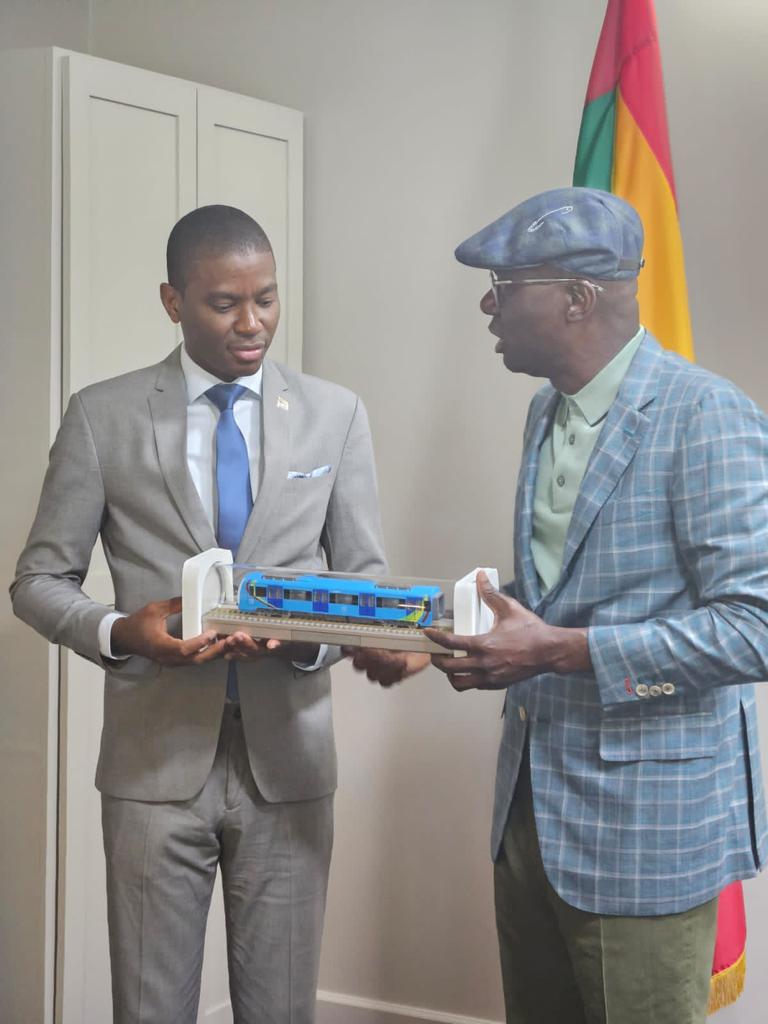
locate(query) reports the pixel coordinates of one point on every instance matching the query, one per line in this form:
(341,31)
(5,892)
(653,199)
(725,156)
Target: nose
(488,303)
(248,321)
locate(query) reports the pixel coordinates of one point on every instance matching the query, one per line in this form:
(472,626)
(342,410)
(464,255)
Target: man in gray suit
(214,752)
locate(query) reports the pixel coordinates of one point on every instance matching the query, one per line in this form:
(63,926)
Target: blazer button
(655,690)
(521,712)
(668,688)
(641,690)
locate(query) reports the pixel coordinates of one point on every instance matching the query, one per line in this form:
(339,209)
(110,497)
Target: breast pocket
(305,499)
(629,510)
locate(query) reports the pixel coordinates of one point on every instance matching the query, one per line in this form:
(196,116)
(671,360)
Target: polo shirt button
(561,481)
(641,690)
(668,688)
(655,691)
(521,712)
(572,439)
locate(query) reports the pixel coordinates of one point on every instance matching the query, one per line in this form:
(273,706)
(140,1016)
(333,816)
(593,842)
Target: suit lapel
(276,412)
(168,408)
(525,570)
(616,446)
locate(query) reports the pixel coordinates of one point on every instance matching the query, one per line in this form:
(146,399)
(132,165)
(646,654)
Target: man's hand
(518,646)
(386,667)
(244,647)
(146,633)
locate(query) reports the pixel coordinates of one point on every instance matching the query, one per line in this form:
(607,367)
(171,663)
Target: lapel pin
(282,403)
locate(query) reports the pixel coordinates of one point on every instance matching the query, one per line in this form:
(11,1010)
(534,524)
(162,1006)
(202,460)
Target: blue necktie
(233,484)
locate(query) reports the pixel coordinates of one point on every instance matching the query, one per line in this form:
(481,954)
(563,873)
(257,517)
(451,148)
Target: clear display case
(317,606)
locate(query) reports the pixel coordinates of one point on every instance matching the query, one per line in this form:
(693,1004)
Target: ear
(582,298)
(171,300)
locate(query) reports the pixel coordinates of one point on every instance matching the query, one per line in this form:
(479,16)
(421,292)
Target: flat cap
(583,230)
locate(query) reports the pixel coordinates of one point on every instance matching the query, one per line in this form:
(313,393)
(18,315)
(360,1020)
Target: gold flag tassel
(726,986)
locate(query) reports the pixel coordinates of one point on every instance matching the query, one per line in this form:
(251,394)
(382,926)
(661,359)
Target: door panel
(250,156)
(129,174)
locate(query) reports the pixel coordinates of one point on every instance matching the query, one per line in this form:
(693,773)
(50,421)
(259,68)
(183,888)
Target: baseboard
(339,1008)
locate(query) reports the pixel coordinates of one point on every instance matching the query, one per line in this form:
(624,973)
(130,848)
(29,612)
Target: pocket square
(295,474)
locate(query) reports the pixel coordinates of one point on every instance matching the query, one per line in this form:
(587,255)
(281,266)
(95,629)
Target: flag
(624,148)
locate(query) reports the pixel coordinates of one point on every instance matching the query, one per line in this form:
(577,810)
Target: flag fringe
(726,986)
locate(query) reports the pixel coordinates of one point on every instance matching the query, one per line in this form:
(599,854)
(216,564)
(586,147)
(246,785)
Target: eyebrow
(237,295)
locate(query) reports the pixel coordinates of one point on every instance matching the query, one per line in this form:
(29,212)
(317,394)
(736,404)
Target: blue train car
(356,600)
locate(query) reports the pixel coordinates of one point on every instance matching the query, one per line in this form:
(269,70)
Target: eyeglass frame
(496,282)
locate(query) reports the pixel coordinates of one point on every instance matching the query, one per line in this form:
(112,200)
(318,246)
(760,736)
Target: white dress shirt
(202,420)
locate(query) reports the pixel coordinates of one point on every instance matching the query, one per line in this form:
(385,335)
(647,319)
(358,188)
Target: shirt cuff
(319,661)
(105,637)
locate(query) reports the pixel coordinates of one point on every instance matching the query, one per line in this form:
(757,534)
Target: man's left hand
(518,646)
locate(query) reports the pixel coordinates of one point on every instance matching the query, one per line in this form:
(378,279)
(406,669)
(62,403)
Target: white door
(131,158)
(250,156)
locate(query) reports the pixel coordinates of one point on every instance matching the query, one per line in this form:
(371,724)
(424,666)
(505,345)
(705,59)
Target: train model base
(226,619)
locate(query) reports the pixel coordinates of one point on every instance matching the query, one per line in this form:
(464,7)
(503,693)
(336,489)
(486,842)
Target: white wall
(425,119)
(62,23)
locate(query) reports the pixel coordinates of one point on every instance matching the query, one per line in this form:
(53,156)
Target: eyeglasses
(496,283)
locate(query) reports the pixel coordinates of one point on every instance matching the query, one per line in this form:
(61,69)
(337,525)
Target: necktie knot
(224,396)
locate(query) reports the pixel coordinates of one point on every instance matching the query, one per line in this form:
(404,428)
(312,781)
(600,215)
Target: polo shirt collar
(597,396)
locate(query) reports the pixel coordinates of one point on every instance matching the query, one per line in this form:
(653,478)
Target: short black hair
(212,231)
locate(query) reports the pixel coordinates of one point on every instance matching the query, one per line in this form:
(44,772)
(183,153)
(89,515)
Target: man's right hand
(386,667)
(146,633)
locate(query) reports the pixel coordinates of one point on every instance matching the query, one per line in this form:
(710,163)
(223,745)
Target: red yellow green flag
(623,148)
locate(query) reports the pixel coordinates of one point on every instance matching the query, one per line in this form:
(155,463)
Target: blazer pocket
(302,489)
(663,737)
(632,510)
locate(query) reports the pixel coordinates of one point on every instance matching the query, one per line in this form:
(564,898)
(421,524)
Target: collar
(199,380)
(596,397)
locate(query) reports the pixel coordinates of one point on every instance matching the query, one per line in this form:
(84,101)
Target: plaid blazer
(646,777)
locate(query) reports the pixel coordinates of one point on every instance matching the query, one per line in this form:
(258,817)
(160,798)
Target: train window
(298,595)
(343,598)
(257,591)
(389,602)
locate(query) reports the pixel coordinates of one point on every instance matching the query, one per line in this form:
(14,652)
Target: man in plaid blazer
(629,790)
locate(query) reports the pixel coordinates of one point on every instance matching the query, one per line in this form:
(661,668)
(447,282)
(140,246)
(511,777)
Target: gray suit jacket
(118,468)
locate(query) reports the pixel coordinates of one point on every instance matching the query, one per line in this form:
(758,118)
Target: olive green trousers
(561,965)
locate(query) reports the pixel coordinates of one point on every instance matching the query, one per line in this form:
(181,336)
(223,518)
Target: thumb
(496,601)
(169,607)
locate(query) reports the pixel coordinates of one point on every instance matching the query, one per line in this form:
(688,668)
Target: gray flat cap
(583,230)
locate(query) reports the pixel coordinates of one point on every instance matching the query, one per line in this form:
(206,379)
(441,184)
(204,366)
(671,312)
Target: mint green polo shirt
(563,460)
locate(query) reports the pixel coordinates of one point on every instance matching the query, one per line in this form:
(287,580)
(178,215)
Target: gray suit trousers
(161,866)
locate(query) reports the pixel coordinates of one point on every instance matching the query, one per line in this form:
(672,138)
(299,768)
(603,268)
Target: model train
(351,600)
